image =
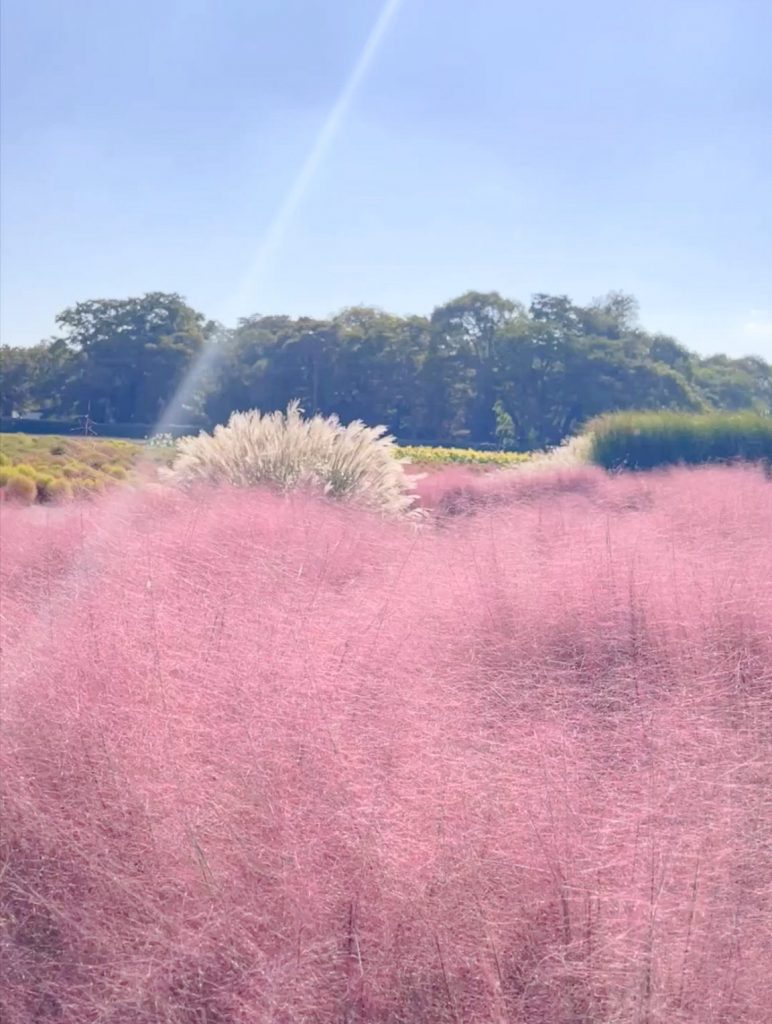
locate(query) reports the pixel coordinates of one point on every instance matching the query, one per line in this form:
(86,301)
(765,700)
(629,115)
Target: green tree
(482,369)
(735,384)
(269,361)
(615,316)
(666,350)
(554,378)
(506,435)
(469,329)
(133,353)
(18,370)
(38,378)
(379,357)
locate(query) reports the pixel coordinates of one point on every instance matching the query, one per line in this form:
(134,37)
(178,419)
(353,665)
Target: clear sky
(261,156)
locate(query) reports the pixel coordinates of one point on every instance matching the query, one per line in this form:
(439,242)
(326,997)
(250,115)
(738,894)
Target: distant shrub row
(431,455)
(645,440)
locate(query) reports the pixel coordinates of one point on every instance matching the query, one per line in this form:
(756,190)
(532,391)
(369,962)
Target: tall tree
(469,327)
(736,383)
(39,378)
(615,315)
(482,369)
(17,382)
(134,353)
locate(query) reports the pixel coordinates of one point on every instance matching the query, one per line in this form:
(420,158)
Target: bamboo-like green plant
(644,440)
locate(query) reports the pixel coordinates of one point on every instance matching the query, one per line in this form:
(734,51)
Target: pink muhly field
(271,759)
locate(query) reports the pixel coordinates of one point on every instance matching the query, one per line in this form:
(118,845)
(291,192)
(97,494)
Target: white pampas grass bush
(288,451)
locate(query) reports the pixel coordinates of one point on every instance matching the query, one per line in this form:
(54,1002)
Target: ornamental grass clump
(288,452)
(646,440)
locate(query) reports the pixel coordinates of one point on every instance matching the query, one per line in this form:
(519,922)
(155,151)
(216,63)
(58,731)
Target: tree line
(482,369)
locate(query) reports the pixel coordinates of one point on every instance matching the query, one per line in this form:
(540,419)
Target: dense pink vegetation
(273,760)
(461,490)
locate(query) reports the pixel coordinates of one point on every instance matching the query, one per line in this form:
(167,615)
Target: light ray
(239,301)
(121,501)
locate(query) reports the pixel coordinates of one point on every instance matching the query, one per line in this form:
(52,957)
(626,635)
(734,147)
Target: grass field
(62,467)
(56,468)
(278,760)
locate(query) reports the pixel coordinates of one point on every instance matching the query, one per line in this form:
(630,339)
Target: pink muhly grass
(460,490)
(271,759)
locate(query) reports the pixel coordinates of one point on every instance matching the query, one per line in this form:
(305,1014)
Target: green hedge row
(644,440)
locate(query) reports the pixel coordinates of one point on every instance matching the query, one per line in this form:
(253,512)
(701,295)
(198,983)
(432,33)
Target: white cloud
(758,324)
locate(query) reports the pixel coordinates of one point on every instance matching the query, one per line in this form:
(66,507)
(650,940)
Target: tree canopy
(482,369)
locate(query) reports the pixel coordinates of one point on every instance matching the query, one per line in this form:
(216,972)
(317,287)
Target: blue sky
(487,144)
